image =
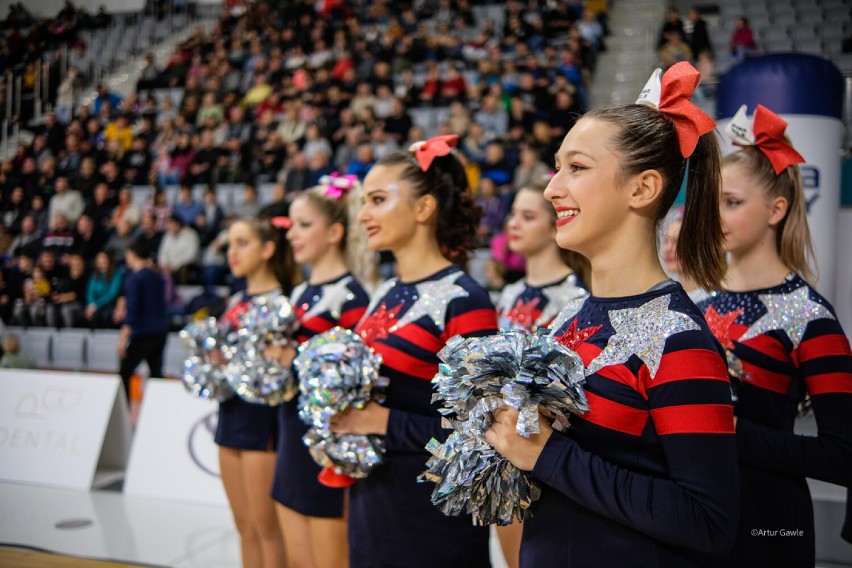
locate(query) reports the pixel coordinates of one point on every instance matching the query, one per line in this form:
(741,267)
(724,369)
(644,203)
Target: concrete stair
(631,52)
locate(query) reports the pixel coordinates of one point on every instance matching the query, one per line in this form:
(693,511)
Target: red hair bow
(766,131)
(671,95)
(428,150)
(281,222)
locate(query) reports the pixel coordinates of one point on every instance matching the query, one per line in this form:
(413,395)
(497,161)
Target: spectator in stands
(105,99)
(674,24)
(674,50)
(530,169)
(68,295)
(60,237)
(111,173)
(119,240)
(187,209)
(493,118)
(592,30)
(158,207)
(15,280)
(179,250)
(249,205)
(87,178)
(145,327)
(15,209)
(119,130)
(88,240)
(742,40)
(149,234)
(363,162)
(136,163)
(39,213)
(12,356)
(494,209)
(105,285)
(33,306)
(315,142)
(125,209)
(100,208)
(28,240)
(279,206)
(398,123)
(697,35)
(66,201)
(495,165)
(209,224)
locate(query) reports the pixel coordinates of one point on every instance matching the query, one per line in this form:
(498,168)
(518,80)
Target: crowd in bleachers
(273,100)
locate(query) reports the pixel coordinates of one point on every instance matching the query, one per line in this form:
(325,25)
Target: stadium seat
(69,349)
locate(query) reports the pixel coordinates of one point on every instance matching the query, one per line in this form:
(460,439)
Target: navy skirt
(246,426)
(296,486)
(393,523)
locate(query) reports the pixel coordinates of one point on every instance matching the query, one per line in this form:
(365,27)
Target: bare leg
(297,537)
(258,473)
(510,543)
(230,464)
(330,543)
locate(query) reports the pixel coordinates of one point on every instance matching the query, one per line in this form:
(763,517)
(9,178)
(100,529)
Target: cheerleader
(551,287)
(416,205)
(649,476)
(324,235)
(671,263)
(785,345)
(247,433)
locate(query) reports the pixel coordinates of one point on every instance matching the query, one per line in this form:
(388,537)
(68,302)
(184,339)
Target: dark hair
(793,241)
(457,216)
(282,262)
(647,140)
(140,248)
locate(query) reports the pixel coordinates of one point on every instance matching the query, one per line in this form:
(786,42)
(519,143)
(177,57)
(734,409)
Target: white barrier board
(64,429)
(173,455)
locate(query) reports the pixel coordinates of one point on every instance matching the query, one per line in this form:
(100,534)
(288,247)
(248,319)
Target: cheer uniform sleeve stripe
(475,323)
(689,364)
(824,346)
(350,317)
(694,419)
(405,363)
(612,415)
(828,383)
(416,335)
(763,378)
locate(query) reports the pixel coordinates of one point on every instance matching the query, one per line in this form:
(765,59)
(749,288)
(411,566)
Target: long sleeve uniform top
(649,476)
(392,521)
(788,345)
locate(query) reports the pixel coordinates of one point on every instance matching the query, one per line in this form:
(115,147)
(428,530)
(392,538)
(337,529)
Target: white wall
(843,270)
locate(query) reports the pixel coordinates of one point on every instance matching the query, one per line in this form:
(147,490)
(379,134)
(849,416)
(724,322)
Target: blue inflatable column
(807,92)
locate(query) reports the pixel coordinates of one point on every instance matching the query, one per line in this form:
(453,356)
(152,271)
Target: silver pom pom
(337,370)
(252,376)
(527,372)
(201,377)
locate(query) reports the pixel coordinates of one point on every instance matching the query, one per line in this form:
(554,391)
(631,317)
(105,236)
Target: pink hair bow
(337,184)
(428,150)
(670,92)
(281,222)
(766,131)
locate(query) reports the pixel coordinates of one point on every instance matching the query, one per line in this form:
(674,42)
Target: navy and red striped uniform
(649,476)
(392,521)
(243,425)
(522,306)
(790,344)
(320,307)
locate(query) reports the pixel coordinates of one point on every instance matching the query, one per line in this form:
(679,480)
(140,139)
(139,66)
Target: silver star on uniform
(568,311)
(565,295)
(432,300)
(509,296)
(333,297)
(643,332)
(790,313)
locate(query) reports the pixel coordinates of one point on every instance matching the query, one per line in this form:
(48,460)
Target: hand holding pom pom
(522,452)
